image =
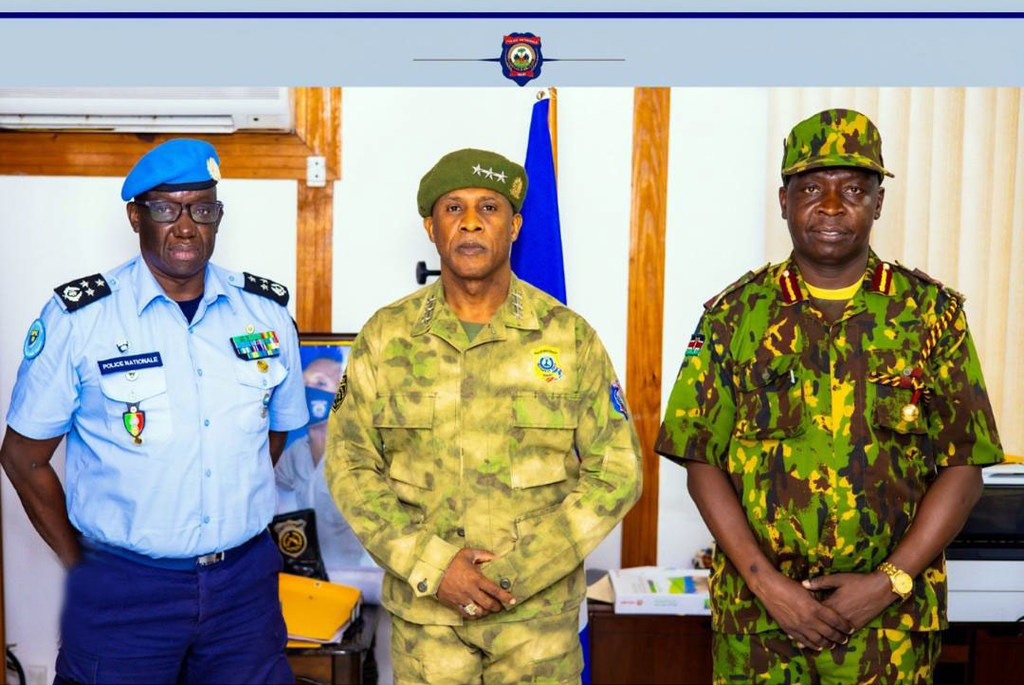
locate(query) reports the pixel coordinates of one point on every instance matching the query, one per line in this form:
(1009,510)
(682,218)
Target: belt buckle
(210,559)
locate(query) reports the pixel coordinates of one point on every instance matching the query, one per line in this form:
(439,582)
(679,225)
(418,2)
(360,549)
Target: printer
(985,563)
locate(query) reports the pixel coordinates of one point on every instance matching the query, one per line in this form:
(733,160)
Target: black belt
(173,563)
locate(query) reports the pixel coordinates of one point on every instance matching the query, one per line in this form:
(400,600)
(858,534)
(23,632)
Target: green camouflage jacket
(830,434)
(517,443)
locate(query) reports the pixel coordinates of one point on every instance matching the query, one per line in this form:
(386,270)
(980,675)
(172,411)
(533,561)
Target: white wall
(714,234)
(53,229)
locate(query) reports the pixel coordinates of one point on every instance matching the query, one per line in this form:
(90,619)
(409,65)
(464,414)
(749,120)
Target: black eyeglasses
(166,212)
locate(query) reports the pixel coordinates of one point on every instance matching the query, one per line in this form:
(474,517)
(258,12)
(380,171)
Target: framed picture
(300,470)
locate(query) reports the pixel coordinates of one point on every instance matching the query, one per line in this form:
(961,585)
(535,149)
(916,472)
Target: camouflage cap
(835,137)
(471,168)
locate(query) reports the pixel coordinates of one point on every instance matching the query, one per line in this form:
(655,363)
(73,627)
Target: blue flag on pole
(537,254)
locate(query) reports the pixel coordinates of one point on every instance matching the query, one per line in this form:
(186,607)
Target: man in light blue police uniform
(175,382)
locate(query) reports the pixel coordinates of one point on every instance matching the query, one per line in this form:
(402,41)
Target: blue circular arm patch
(35,339)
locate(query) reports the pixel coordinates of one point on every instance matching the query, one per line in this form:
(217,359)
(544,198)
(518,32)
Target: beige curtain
(955,209)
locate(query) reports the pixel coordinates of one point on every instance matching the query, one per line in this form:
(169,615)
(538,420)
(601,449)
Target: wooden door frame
(645,316)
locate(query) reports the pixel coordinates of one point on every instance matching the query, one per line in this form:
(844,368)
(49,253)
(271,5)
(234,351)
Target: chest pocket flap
(770,403)
(146,383)
(255,392)
(543,429)
(891,404)
(406,425)
(775,372)
(248,373)
(147,390)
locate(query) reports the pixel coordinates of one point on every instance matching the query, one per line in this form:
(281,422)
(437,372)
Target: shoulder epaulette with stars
(735,285)
(258,285)
(917,273)
(82,291)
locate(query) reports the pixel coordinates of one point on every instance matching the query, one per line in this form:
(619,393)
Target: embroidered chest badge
(134,421)
(546,364)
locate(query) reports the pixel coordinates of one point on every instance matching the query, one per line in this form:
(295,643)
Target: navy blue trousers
(125,622)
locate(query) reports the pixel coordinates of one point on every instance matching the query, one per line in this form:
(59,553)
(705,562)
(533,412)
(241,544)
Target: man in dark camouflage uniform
(480,447)
(833,419)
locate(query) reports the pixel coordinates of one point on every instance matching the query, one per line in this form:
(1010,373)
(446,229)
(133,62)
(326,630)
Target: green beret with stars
(472,168)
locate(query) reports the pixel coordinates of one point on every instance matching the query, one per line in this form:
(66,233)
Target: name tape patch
(132,363)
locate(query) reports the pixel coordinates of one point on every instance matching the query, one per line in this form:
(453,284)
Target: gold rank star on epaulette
(265,287)
(82,291)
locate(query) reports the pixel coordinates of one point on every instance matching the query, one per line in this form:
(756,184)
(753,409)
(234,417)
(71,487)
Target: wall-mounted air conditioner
(146,110)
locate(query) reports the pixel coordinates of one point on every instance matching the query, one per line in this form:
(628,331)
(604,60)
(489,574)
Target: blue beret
(178,164)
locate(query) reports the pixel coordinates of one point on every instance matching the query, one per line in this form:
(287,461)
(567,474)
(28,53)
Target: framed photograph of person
(300,470)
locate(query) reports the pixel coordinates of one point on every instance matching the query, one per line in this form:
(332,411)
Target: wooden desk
(642,648)
(663,650)
(349,662)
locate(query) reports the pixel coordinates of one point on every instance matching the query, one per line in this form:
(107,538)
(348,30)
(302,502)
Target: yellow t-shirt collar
(828,294)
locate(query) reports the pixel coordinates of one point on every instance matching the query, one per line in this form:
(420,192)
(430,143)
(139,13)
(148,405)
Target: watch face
(902,583)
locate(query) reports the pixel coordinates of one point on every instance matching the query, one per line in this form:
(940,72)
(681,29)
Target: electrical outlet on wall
(36,675)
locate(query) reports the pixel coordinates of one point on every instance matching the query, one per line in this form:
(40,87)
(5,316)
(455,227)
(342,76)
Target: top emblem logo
(521,58)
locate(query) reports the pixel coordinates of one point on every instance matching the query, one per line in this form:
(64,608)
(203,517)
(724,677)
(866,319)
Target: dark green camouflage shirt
(518,443)
(810,419)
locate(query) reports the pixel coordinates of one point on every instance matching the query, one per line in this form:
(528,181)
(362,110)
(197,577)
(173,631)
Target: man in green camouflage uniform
(480,447)
(833,419)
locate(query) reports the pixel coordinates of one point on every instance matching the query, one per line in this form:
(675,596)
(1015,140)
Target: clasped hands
(465,588)
(856,598)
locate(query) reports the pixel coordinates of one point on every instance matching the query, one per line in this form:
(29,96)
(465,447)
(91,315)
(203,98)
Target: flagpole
(553,126)
(552,95)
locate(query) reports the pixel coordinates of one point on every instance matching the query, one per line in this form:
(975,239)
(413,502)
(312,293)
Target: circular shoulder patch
(618,402)
(35,339)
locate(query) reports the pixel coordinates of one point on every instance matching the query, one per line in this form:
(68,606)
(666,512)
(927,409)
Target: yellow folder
(316,610)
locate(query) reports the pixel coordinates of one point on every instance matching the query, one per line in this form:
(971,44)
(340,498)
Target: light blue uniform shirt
(201,480)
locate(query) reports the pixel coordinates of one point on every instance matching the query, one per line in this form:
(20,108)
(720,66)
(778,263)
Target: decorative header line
(498,59)
(512,15)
